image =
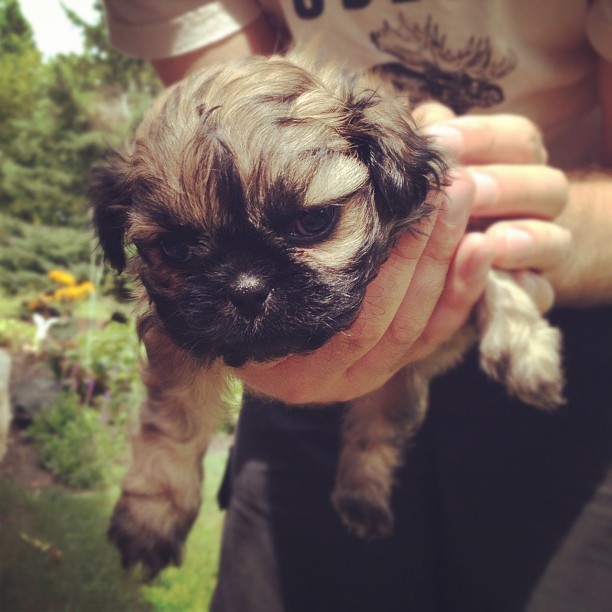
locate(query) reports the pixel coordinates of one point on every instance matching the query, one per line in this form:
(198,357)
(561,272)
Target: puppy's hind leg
(160,494)
(518,347)
(376,430)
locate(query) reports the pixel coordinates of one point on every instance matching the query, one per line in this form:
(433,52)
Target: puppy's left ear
(110,193)
(403,164)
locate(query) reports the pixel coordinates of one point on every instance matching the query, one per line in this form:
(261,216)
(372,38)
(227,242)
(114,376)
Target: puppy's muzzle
(248,293)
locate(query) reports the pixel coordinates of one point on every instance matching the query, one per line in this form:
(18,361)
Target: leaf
(44,547)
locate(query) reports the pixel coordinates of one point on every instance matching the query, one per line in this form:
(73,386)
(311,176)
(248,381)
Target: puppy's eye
(175,248)
(313,225)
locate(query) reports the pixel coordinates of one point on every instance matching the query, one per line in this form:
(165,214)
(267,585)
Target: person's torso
(499,56)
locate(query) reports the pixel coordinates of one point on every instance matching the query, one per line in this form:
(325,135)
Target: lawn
(54,554)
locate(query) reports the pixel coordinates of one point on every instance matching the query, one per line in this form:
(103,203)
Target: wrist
(584,279)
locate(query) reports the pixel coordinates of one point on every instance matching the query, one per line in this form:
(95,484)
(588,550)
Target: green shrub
(111,353)
(15,334)
(81,437)
(28,252)
(75,444)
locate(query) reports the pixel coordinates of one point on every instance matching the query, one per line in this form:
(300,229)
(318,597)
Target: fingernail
(521,243)
(458,201)
(487,193)
(527,280)
(483,257)
(448,139)
(537,287)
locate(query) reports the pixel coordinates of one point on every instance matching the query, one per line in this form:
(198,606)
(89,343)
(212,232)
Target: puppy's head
(261,197)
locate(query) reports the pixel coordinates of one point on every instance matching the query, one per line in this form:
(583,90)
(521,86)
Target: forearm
(584,278)
(257,38)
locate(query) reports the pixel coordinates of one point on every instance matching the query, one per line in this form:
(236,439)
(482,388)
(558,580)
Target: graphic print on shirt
(428,67)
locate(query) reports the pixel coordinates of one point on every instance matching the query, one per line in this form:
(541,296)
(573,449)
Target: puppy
(261,197)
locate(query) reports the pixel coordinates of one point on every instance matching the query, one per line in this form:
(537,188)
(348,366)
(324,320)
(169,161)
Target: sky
(52,30)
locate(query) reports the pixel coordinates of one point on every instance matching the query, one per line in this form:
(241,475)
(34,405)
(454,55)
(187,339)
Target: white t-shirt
(537,59)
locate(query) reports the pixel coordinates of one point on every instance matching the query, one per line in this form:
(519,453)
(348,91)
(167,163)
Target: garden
(67,327)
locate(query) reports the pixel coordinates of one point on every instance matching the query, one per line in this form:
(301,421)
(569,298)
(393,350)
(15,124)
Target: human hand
(409,308)
(517,195)
(427,289)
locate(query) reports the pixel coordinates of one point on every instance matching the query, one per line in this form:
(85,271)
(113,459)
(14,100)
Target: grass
(54,554)
(79,572)
(190,587)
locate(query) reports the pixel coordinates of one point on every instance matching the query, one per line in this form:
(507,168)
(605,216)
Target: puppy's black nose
(248,292)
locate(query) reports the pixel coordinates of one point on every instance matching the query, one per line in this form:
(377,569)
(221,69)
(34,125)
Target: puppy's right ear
(110,193)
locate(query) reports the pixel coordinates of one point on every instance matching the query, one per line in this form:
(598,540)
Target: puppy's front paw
(526,357)
(364,510)
(149,530)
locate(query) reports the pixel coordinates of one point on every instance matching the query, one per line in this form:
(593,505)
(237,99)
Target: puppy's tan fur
(161,491)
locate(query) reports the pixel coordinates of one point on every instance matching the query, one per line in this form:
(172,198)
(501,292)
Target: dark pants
(499,507)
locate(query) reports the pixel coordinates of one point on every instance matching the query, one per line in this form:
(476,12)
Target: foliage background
(58,117)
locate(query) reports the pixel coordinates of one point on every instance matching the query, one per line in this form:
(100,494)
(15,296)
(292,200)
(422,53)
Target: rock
(29,398)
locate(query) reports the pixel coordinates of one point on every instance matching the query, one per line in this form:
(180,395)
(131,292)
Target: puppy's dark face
(261,200)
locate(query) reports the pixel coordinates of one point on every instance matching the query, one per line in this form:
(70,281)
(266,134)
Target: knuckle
(401,334)
(437,262)
(533,141)
(410,246)
(562,182)
(363,335)
(563,243)
(527,137)
(549,236)
(431,112)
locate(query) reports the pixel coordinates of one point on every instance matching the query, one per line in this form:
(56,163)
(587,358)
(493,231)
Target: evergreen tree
(15,32)
(21,79)
(57,117)
(105,65)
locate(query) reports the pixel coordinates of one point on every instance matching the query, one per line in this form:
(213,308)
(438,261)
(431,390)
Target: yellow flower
(72,294)
(86,288)
(61,277)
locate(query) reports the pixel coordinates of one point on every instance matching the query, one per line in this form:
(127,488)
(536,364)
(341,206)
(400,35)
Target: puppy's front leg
(375,433)
(160,494)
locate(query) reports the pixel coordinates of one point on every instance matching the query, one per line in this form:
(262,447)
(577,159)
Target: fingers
(514,182)
(529,244)
(465,283)
(425,288)
(501,139)
(506,157)
(483,139)
(520,190)
(385,294)
(536,286)
(291,380)
(432,112)
(422,295)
